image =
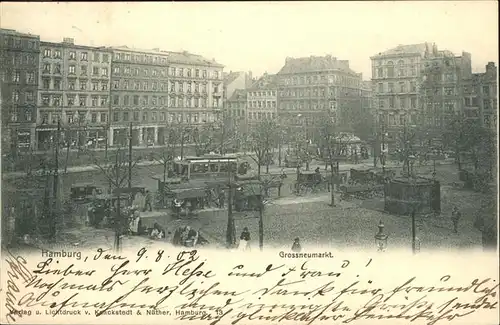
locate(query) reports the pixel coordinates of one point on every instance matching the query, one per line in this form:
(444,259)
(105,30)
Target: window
(45,118)
(391,102)
(146,72)
(116,84)
(181,72)
(486,104)
(153,100)
(95,71)
(197,73)
(125,116)
(70,118)
(413,86)
(125,100)
(71,69)
(390,69)
(83,70)
(83,101)
(204,73)
(144,116)
(57,68)
(71,100)
(30,77)
(95,85)
(162,116)
(46,67)
(449,91)
(402,87)
(83,56)
(104,86)
(105,58)
(15,96)
(154,85)
(136,100)
(116,100)
(181,85)
(486,90)
(104,100)
(46,53)
(116,70)
(136,71)
(413,102)
(449,106)
(155,73)
(29,96)
(115,116)
(72,55)
(93,118)
(96,57)
(144,100)
(153,116)
(125,84)
(94,101)
(46,100)
(57,54)
(56,101)
(391,87)
(57,84)
(136,116)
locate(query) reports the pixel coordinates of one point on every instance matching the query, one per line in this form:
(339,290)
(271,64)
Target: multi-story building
(236,105)
(480,97)
(19,54)
(441,87)
(74,83)
(153,88)
(396,76)
(311,86)
(236,80)
(262,99)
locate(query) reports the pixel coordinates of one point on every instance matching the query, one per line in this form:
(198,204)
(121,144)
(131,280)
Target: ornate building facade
(19,55)
(262,99)
(74,82)
(152,89)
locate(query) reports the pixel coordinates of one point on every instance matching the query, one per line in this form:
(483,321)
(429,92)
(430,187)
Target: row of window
(136,100)
(29,77)
(73,118)
(56,68)
(306,105)
(261,115)
(56,84)
(262,104)
(74,100)
(29,96)
(172,72)
(485,90)
(332,79)
(17,115)
(17,58)
(402,87)
(162,116)
(172,86)
(262,93)
(398,102)
(400,62)
(17,42)
(84,56)
(474,102)
(393,120)
(140,58)
(390,72)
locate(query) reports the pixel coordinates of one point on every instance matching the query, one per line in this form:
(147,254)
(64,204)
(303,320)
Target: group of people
(188,237)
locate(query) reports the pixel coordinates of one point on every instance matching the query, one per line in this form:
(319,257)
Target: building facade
(311,86)
(480,97)
(442,85)
(262,99)
(396,77)
(19,55)
(236,105)
(151,89)
(74,86)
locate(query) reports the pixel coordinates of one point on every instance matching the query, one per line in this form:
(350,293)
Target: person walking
(455,217)
(147,202)
(296,245)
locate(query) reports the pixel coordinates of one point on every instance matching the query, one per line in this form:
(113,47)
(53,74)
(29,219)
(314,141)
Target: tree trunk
(118,225)
(67,159)
(332,190)
(261,225)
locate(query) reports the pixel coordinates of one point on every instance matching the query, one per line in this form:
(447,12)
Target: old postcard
(249,163)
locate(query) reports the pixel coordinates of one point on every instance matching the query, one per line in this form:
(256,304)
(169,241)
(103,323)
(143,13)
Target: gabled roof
(314,64)
(230,77)
(238,95)
(265,82)
(407,49)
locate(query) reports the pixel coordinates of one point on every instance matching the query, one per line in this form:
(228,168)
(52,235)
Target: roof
(230,77)
(13,32)
(238,94)
(406,49)
(266,81)
(313,64)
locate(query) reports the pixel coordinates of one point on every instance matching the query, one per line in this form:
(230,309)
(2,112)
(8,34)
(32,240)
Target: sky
(258,36)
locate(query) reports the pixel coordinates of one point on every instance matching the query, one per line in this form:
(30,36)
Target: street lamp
(381,238)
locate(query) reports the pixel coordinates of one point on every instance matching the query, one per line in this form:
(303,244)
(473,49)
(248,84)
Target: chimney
(69,40)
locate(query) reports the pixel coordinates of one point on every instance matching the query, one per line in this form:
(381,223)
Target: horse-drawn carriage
(309,181)
(366,183)
(248,195)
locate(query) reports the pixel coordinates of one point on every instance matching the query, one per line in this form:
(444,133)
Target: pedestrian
(296,245)
(148,202)
(244,240)
(177,208)
(455,217)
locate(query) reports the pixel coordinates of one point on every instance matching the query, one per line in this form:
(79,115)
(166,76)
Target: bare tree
(117,174)
(204,138)
(261,141)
